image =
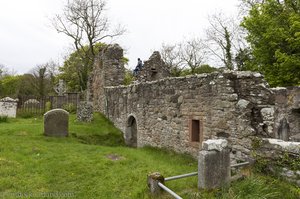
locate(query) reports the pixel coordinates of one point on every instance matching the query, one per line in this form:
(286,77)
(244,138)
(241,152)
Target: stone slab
(56,123)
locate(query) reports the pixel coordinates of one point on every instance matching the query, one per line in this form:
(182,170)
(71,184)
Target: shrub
(25,114)
(128,77)
(70,107)
(48,106)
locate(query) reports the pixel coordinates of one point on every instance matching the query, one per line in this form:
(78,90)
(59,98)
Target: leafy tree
(243,59)
(129,78)
(76,69)
(26,86)
(274,35)
(9,86)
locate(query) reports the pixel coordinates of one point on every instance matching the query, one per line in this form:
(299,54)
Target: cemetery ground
(93,162)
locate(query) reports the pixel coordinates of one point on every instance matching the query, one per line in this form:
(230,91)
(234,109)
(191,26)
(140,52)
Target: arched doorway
(131,132)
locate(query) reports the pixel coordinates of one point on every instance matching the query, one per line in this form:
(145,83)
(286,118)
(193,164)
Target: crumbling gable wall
(153,69)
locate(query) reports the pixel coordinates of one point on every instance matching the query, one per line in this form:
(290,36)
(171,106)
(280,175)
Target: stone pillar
(85,111)
(152,181)
(213,164)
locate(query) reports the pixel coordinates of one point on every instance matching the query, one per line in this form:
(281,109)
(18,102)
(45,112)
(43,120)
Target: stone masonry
(165,109)
(108,70)
(179,113)
(154,69)
(287,111)
(282,158)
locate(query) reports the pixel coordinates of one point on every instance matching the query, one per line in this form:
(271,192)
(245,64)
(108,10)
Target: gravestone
(56,123)
(8,107)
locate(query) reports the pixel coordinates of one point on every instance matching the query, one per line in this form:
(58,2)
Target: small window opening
(195,131)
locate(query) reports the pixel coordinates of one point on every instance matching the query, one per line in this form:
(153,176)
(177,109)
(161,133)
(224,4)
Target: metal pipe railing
(181,176)
(189,175)
(240,164)
(169,190)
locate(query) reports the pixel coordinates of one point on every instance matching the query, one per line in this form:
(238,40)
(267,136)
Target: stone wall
(280,157)
(287,113)
(108,70)
(179,113)
(224,105)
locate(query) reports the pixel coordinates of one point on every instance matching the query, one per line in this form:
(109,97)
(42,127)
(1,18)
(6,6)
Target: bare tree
(85,22)
(3,70)
(39,81)
(43,77)
(52,70)
(246,5)
(193,53)
(6,71)
(171,56)
(224,38)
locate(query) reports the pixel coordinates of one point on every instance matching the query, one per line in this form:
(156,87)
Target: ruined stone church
(179,113)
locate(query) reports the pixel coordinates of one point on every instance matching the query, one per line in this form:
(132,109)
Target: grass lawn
(93,162)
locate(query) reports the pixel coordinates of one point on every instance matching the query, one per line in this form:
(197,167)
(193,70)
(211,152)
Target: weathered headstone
(56,123)
(85,111)
(8,107)
(31,103)
(213,164)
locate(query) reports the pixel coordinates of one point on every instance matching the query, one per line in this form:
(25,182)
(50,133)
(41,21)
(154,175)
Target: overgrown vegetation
(94,163)
(3,119)
(273,34)
(70,107)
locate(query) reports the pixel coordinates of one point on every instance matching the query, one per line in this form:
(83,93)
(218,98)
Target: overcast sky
(27,37)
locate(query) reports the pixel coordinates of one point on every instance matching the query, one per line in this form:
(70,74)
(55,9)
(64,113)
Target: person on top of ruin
(138,67)
(140,64)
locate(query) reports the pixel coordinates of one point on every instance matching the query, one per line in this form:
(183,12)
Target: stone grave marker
(8,107)
(85,111)
(56,123)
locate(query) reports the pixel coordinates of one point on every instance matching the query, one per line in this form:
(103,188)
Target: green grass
(93,162)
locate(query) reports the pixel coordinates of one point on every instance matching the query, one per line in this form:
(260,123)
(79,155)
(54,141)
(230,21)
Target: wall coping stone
(288,146)
(214,145)
(237,74)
